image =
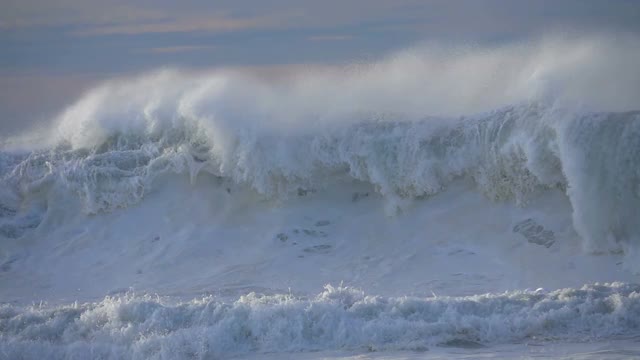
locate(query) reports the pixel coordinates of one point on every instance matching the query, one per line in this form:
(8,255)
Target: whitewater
(441,202)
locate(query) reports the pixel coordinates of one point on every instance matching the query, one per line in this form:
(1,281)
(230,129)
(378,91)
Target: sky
(53,50)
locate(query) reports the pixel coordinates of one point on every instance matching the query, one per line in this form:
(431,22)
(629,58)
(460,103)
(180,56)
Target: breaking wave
(146,327)
(511,154)
(517,123)
(556,114)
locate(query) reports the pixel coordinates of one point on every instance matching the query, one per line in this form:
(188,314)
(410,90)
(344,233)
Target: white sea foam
(147,327)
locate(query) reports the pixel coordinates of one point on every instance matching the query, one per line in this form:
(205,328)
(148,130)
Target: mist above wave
(592,74)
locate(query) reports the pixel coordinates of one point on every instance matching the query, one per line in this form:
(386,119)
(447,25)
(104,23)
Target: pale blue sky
(54,49)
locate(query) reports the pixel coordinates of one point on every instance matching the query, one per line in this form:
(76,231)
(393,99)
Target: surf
(425,179)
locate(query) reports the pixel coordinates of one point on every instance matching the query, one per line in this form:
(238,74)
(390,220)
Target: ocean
(438,203)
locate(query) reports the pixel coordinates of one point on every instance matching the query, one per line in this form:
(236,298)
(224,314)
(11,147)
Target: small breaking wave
(148,327)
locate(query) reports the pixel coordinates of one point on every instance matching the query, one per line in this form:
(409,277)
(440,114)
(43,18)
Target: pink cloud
(179,49)
(331,38)
(214,23)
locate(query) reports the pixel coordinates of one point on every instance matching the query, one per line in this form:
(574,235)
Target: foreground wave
(145,327)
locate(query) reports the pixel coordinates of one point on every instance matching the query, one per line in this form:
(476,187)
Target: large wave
(511,154)
(556,114)
(522,124)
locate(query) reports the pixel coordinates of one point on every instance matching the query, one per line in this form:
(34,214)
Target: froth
(338,318)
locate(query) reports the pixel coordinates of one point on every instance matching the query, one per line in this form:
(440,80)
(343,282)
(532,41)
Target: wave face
(448,171)
(511,154)
(339,318)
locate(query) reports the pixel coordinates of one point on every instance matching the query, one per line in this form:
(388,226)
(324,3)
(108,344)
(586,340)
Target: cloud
(213,23)
(119,17)
(179,49)
(62,13)
(331,38)
(475,19)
